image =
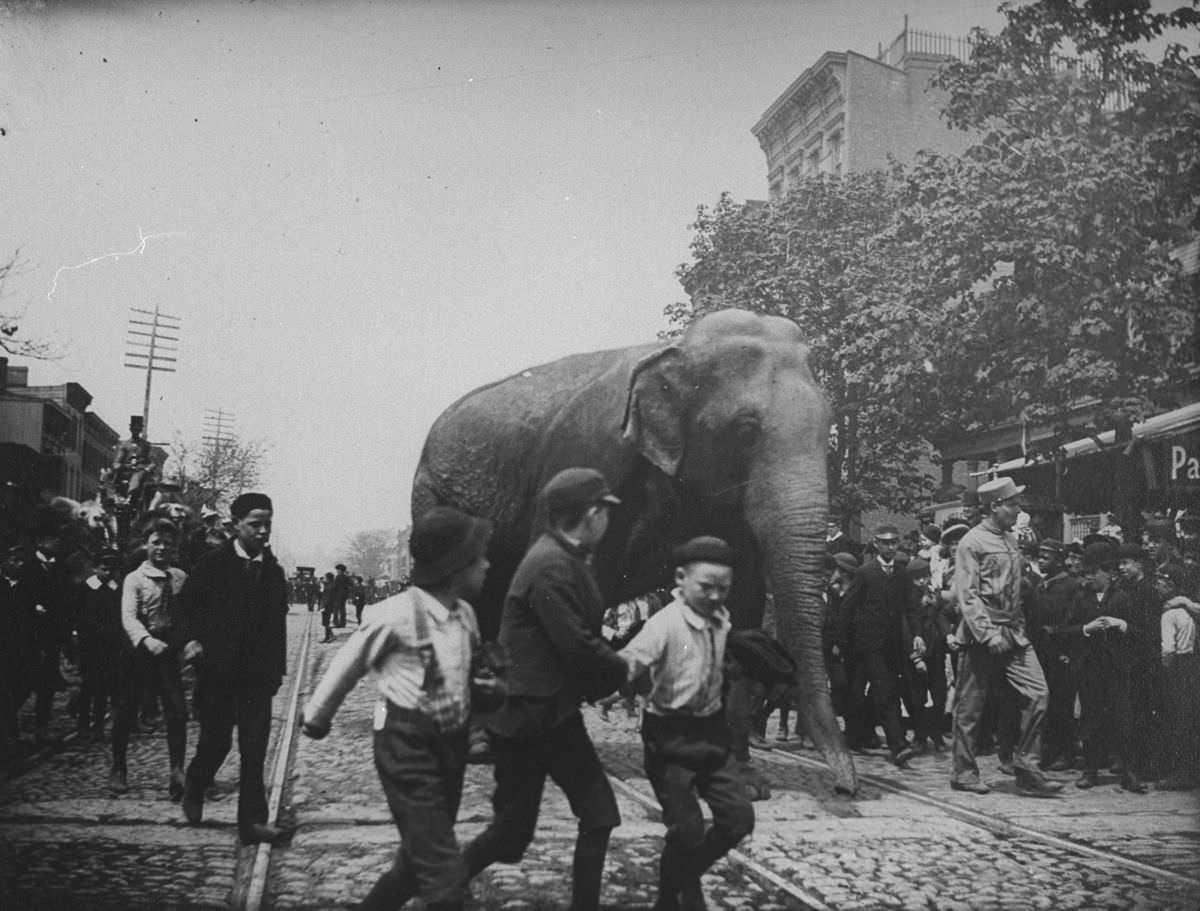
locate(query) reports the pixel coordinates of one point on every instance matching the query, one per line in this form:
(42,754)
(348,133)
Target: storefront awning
(1168,424)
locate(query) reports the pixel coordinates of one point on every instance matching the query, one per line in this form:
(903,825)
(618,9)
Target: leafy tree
(369,553)
(821,257)
(1083,182)
(214,474)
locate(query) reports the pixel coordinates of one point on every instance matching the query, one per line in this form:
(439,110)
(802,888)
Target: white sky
(369,209)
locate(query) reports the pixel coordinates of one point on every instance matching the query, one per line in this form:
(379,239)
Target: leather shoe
(1038,787)
(1007,767)
(975,787)
(117,782)
(193,806)
(1062,764)
(259,833)
(1087,780)
(902,758)
(176,785)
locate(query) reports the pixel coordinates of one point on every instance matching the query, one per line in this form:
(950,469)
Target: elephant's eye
(747,432)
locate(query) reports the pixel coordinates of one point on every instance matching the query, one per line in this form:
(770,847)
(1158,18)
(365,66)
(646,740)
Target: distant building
(848,113)
(50,443)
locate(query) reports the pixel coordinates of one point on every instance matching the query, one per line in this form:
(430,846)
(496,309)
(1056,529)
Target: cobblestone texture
(65,842)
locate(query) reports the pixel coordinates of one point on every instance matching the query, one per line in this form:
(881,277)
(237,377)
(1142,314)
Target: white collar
(94,583)
(241,552)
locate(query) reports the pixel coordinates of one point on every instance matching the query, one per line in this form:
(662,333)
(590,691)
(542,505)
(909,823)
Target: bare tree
(213,473)
(11,339)
(369,553)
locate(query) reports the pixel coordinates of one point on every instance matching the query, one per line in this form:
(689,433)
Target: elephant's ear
(654,411)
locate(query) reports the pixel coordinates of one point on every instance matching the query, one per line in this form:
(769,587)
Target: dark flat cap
(1131,551)
(1099,555)
(443,541)
(575,487)
(1053,546)
(847,563)
(705,549)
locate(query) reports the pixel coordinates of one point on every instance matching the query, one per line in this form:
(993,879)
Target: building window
(813,162)
(833,155)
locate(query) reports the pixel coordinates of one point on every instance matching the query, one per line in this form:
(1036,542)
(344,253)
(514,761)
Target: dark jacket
(550,632)
(237,610)
(1047,609)
(882,609)
(1110,647)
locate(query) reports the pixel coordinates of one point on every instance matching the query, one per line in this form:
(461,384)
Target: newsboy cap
(847,563)
(1053,546)
(705,549)
(443,541)
(1131,551)
(917,568)
(998,489)
(576,486)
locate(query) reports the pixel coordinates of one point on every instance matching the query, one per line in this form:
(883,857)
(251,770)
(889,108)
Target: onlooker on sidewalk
(1181,679)
(328,609)
(686,740)
(340,595)
(1047,613)
(879,603)
(234,610)
(100,643)
(150,615)
(1145,667)
(422,647)
(1104,633)
(550,630)
(987,584)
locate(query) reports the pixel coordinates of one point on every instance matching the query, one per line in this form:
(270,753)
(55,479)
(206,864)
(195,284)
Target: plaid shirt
(429,674)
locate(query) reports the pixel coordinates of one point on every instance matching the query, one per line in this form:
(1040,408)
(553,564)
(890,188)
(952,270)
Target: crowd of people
(181,606)
(1058,657)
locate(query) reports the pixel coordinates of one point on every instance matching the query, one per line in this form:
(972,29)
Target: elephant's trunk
(786,507)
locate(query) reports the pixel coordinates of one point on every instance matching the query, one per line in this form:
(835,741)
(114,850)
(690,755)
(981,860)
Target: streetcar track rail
(995,824)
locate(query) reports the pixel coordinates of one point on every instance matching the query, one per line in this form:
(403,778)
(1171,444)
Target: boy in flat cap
(687,744)
(987,586)
(423,648)
(233,614)
(550,631)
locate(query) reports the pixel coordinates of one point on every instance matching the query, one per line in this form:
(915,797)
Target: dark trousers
(41,683)
(421,770)
(1106,714)
(680,785)
(567,756)
(1181,683)
(161,673)
(94,679)
(221,705)
(977,669)
(1058,739)
(877,669)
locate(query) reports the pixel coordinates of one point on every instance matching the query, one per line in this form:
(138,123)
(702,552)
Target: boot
(175,786)
(117,782)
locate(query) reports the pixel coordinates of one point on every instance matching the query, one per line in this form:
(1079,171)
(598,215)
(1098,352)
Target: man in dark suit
(234,611)
(550,630)
(44,585)
(880,605)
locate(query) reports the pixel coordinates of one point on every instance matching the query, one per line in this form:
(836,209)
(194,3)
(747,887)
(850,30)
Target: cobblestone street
(906,841)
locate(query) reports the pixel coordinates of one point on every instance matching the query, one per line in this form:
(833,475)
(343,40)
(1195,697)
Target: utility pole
(218,432)
(148,355)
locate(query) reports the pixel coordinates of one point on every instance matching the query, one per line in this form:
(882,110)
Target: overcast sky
(361,211)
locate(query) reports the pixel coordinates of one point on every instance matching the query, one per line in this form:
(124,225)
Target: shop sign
(1182,462)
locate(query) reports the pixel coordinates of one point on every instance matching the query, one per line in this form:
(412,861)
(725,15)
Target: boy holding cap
(550,631)
(686,740)
(423,647)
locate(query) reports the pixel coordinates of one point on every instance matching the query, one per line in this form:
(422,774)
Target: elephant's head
(732,412)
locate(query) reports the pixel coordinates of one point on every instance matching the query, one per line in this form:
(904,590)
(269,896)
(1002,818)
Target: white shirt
(685,653)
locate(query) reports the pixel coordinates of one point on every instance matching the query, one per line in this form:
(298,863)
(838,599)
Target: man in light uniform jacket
(987,586)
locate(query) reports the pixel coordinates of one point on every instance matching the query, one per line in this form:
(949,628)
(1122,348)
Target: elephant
(721,432)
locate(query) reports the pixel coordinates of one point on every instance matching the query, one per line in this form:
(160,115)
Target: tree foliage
(368,553)
(1031,274)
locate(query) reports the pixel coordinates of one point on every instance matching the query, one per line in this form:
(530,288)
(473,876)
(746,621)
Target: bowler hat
(1099,555)
(704,549)
(998,489)
(575,487)
(953,534)
(443,541)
